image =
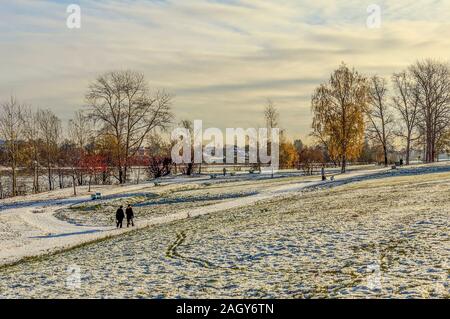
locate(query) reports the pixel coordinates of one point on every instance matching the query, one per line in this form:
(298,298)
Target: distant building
(143,151)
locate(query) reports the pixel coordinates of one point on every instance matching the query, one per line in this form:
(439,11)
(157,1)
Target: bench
(96,196)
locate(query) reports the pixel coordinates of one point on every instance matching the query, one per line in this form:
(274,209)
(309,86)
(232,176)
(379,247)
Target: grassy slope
(321,243)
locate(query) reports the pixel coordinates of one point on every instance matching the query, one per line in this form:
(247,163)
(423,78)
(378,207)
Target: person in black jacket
(120,216)
(130,216)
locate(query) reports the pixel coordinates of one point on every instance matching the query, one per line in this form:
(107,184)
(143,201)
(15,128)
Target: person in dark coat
(324,177)
(130,216)
(120,216)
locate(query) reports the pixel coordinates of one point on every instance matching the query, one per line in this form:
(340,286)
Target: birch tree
(338,107)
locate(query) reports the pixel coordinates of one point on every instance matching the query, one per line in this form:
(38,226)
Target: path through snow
(29,228)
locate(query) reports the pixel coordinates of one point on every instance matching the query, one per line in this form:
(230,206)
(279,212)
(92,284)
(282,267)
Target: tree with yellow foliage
(338,114)
(288,153)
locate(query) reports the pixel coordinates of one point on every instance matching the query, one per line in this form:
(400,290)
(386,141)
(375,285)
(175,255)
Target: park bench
(96,196)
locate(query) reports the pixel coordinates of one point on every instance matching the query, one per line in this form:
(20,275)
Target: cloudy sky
(221,58)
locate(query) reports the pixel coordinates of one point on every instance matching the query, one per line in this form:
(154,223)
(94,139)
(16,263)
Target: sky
(222,59)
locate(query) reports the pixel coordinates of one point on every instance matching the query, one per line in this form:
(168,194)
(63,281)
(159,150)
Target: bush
(159,166)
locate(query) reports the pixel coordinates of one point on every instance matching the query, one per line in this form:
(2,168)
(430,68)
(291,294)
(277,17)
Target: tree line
(366,119)
(351,108)
(103,139)
(355,118)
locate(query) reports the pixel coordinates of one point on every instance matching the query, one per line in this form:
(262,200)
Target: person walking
(119,217)
(324,177)
(130,216)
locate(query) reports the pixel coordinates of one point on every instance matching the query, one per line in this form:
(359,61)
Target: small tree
(271,115)
(309,156)
(12,128)
(69,155)
(50,134)
(379,116)
(159,166)
(31,134)
(288,153)
(406,102)
(298,144)
(80,130)
(93,164)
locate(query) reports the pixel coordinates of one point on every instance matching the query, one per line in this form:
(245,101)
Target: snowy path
(38,231)
(29,228)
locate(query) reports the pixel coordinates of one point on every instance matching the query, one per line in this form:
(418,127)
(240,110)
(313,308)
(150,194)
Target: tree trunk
(344,164)
(74,183)
(37,179)
(190,166)
(49,177)
(138,174)
(14,181)
(120,175)
(408,150)
(385,156)
(61,179)
(433,150)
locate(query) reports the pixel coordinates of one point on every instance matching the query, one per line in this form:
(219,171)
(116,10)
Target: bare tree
(80,129)
(405,101)
(69,156)
(432,79)
(121,103)
(12,131)
(31,134)
(380,118)
(50,134)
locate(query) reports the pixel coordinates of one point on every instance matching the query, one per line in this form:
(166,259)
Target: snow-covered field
(370,233)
